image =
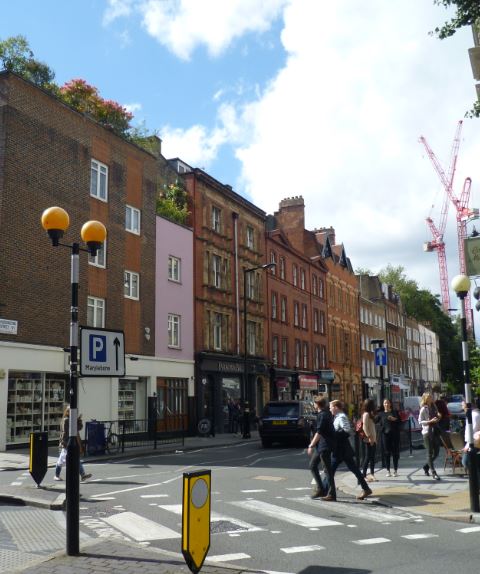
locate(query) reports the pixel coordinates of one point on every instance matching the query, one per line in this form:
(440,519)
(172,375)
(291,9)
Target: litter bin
(95,435)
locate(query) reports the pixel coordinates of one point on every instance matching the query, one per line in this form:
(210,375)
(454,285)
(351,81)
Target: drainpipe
(237,293)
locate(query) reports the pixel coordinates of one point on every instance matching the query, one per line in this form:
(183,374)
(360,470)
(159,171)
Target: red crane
(437,244)
(463,212)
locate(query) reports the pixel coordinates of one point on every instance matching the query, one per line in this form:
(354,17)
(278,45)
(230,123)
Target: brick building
(228,240)
(343,318)
(51,155)
(296,293)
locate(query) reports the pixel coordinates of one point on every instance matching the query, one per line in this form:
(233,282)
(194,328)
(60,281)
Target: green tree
(16,56)
(172,203)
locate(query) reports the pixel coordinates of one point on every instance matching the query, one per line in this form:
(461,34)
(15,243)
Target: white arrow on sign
(381,356)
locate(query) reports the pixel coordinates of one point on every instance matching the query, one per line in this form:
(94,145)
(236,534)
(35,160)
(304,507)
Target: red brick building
(296,293)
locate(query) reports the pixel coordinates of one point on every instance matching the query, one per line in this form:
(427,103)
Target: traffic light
(476,294)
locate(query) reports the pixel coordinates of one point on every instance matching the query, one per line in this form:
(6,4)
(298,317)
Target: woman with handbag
(429,419)
(370,441)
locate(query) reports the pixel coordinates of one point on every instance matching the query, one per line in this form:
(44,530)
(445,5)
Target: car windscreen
(279,410)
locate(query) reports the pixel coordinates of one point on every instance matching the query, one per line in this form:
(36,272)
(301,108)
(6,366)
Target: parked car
(455,406)
(284,421)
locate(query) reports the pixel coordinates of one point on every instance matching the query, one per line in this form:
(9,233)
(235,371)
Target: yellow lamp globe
(460,284)
(55,221)
(94,234)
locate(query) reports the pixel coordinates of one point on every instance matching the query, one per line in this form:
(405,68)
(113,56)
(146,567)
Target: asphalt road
(263,517)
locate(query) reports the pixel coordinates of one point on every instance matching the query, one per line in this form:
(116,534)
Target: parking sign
(102,353)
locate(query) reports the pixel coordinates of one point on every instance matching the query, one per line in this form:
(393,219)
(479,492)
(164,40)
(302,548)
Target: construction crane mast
(437,244)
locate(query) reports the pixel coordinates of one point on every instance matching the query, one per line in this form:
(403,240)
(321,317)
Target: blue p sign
(97,348)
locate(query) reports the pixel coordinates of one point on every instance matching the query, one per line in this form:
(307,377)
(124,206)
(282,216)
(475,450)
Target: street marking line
(227,557)
(469,529)
(299,488)
(154,496)
(139,528)
(284,514)
(368,541)
(272,478)
(253,490)
(296,549)
(418,536)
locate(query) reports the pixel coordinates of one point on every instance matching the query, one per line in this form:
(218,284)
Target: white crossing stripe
(419,536)
(227,557)
(154,496)
(281,513)
(295,549)
(216,517)
(368,541)
(140,528)
(469,529)
(253,490)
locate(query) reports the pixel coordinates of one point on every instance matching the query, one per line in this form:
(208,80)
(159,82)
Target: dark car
(283,421)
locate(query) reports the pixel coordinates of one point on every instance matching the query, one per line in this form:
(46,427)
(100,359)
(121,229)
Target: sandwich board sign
(102,353)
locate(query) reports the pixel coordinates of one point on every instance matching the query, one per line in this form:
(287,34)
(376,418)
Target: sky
(282,98)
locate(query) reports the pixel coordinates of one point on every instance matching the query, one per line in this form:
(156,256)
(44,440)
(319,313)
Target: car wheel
(266,443)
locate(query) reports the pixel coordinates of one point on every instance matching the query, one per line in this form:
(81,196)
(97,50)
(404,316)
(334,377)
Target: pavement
(411,490)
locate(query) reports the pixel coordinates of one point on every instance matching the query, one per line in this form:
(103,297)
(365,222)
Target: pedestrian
(444,422)
(343,451)
(390,422)
(231,415)
(320,450)
(370,441)
(428,418)
(64,436)
(475,430)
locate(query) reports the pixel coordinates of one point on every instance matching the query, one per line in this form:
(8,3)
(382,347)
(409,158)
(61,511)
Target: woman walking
(429,418)
(390,434)
(368,421)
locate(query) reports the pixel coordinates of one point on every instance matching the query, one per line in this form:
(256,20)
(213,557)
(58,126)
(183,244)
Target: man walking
(343,451)
(320,449)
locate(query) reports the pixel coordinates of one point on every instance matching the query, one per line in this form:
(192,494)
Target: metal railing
(112,437)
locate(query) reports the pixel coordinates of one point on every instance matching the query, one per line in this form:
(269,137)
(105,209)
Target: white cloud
(132,108)
(116,9)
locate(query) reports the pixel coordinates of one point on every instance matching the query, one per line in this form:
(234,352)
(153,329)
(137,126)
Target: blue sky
(280,98)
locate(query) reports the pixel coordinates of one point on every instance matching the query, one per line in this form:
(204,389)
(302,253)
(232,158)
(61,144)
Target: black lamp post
(245,386)
(461,285)
(55,221)
(380,343)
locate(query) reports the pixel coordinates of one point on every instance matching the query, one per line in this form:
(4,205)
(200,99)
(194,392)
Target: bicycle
(112,441)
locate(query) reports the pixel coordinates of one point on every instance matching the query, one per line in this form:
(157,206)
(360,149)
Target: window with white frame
(174,330)
(282,267)
(132,284)
(295,314)
(132,219)
(304,316)
(275,350)
(274,305)
(295,275)
(322,322)
(250,279)
(302,279)
(250,237)
(284,352)
(98,180)
(95,312)
(305,355)
(217,331)
(174,267)
(283,310)
(273,259)
(323,357)
(321,292)
(316,322)
(251,337)
(316,358)
(216,271)
(100,258)
(314,285)
(298,350)
(216,219)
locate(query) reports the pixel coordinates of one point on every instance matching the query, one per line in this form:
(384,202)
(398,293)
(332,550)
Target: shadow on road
(332,570)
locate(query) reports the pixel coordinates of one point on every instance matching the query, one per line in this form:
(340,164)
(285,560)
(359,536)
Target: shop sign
(327,374)
(307,382)
(282,384)
(9,327)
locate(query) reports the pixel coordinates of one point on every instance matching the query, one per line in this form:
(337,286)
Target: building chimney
(291,220)
(328,231)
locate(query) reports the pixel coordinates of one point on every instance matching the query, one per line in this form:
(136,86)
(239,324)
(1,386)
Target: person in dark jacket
(390,422)
(320,449)
(64,436)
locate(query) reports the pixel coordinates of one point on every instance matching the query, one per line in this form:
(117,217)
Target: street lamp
(380,343)
(461,285)
(245,387)
(55,221)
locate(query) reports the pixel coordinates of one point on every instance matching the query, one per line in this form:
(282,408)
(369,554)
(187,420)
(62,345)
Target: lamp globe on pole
(55,221)
(94,234)
(461,284)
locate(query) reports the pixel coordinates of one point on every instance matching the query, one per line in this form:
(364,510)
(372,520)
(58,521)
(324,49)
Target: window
(295,314)
(323,357)
(173,330)
(282,267)
(283,310)
(275,351)
(284,352)
(173,268)
(314,285)
(297,353)
(273,259)
(131,282)
(95,312)
(316,358)
(98,180)
(321,289)
(304,316)
(216,271)
(216,213)
(302,279)
(322,322)
(132,219)
(274,305)
(315,321)
(217,331)
(305,355)
(250,279)
(295,275)
(251,337)
(100,259)
(250,236)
